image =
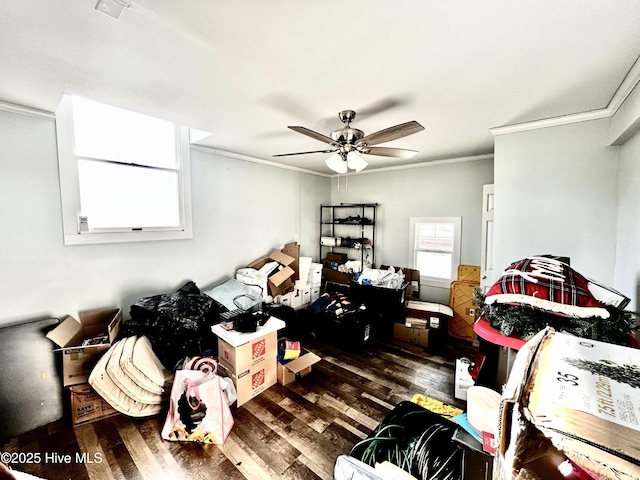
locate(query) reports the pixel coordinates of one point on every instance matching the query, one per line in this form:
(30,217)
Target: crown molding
(430,163)
(22,110)
(625,88)
(623,91)
(551,122)
(248,158)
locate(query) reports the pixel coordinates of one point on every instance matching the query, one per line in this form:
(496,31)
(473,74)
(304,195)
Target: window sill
(122,237)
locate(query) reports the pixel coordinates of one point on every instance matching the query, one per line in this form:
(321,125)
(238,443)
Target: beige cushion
(113,394)
(140,363)
(127,384)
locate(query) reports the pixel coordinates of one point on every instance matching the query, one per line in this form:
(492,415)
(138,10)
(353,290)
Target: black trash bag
(177,324)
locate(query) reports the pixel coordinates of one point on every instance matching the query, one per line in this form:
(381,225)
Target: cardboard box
(315,293)
(293,250)
(436,313)
(579,394)
(331,275)
(251,382)
(336,257)
(243,357)
(294,369)
(415,331)
(87,406)
(78,361)
(284,299)
(315,273)
(282,280)
(249,359)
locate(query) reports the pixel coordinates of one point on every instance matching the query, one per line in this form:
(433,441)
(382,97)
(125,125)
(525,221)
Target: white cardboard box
(315,273)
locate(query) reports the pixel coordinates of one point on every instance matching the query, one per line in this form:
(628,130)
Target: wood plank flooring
(293,432)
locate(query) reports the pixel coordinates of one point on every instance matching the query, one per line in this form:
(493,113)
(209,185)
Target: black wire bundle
(402,439)
(434,457)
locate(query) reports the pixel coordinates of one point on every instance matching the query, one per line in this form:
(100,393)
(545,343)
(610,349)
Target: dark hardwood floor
(292,432)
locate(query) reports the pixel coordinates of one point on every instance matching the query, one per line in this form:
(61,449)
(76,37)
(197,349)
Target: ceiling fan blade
(316,135)
(389,152)
(303,153)
(391,133)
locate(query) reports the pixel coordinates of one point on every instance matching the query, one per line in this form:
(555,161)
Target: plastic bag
(198,411)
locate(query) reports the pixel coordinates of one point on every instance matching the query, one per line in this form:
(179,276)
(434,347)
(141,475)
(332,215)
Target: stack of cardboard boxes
(285,276)
(249,359)
(82,344)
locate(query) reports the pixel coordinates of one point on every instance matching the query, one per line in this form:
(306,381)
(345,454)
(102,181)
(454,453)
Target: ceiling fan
(348,143)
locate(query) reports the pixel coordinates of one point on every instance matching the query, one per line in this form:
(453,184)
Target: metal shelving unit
(353,226)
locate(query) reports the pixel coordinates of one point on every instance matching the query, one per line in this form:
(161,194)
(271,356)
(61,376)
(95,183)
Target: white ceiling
(244,70)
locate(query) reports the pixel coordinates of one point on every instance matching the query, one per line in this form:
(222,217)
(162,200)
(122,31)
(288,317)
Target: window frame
(70,190)
(455,260)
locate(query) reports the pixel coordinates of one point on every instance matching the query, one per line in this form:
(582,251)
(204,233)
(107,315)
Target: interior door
(486,252)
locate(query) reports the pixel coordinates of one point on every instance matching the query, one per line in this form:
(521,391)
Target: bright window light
(110,133)
(145,198)
(124,176)
(435,248)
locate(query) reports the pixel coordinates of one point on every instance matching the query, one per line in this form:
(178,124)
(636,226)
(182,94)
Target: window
(124,176)
(435,248)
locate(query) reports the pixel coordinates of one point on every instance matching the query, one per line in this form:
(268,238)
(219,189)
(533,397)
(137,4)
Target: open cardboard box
(580,395)
(78,360)
(281,281)
(292,370)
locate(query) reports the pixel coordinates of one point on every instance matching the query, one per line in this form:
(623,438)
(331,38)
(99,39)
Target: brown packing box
(576,393)
(436,314)
(251,366)
(252,381)
(259,350)
(293,250)
(336,257)
(281,281)
(330,275)
(294,369)
(414,331)
(87,406)
(78,361)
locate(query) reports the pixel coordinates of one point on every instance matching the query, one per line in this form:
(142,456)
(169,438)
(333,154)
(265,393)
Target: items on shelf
(347,230)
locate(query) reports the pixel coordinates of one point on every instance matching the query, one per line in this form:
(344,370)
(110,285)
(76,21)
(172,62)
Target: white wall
(556,193)
(439,190)
(627,278)
(241,210)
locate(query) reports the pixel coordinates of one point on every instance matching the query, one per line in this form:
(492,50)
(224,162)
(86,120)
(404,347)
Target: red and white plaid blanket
(546,284)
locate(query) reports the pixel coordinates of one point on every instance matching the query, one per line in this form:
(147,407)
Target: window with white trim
(435,249)
(124,176)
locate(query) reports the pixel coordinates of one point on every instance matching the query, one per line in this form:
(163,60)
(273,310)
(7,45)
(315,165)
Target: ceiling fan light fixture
(336,163)
(355,161)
